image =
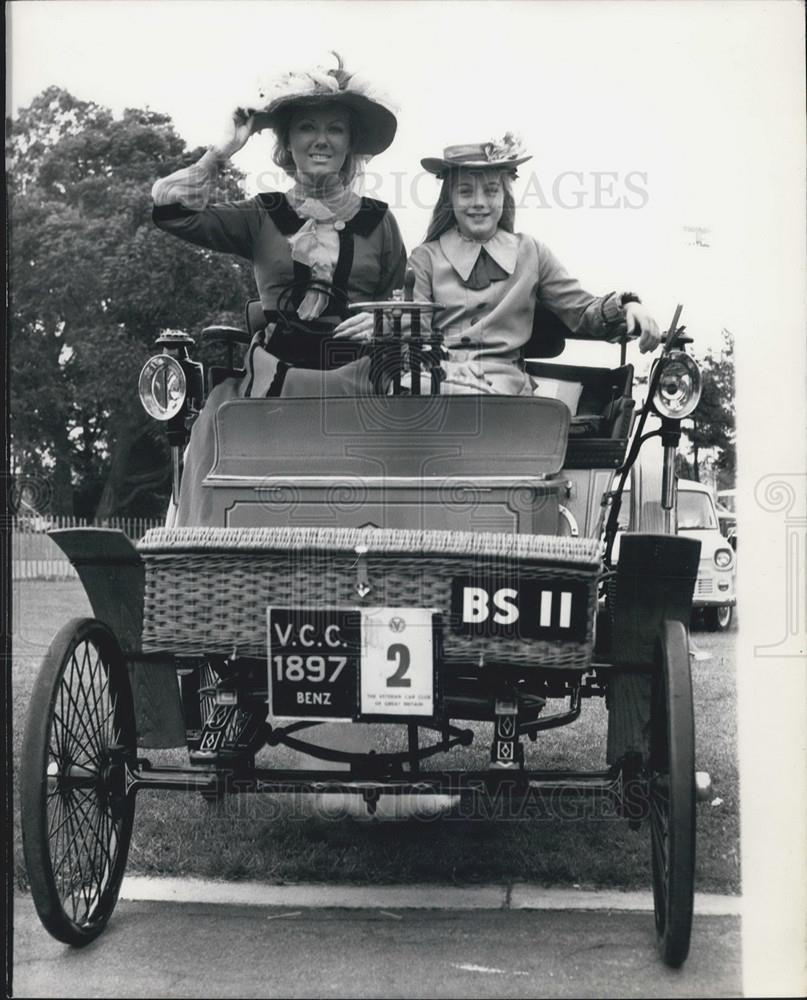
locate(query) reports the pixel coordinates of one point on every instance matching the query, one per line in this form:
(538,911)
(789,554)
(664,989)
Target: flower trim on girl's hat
(506,152)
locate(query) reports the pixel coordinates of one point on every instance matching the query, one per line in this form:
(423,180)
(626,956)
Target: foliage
(92,282)
(713,423)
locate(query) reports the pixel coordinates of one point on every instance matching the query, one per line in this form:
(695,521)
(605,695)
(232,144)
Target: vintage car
(715,589)
(697,517)
(403,558)
(726,501)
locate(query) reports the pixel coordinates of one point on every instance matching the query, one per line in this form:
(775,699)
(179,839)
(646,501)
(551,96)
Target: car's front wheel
(76,814)
(672,795)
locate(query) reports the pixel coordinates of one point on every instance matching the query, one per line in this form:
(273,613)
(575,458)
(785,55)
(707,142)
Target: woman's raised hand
(235,133)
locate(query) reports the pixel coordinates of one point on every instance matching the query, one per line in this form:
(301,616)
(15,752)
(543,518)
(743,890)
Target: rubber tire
(672,763)
(34,781)
(718,619)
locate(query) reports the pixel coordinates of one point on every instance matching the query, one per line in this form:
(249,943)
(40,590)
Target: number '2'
(397,651)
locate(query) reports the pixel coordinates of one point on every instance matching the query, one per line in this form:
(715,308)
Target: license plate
(526,609)
(339,665)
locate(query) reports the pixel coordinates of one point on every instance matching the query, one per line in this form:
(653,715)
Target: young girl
(489,278)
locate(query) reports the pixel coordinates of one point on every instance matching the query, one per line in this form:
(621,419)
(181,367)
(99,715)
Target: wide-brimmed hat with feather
(504,153)
(374,121)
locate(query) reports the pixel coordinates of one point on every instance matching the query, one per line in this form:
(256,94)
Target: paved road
(188,950)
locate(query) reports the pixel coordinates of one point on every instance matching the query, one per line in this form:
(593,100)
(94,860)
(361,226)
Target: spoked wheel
(76,816)
(672,795)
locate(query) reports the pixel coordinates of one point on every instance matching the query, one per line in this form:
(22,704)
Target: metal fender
(112,572)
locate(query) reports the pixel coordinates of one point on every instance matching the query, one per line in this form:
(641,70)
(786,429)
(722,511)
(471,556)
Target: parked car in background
(728,500)
(727,515)
(715,590)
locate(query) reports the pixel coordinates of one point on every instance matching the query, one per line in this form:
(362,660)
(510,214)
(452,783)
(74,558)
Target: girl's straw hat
(503,153)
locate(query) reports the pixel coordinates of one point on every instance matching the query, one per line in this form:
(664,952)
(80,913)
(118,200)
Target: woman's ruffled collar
(324,199)
(326,206)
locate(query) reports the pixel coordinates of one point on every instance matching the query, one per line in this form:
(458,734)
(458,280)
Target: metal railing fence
(35,556)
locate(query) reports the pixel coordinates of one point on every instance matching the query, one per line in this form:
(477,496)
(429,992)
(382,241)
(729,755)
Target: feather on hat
(374,121)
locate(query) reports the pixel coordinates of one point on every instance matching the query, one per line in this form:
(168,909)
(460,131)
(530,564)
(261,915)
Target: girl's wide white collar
(463,254)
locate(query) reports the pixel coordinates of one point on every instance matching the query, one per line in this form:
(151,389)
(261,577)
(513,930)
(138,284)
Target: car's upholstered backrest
(379,436)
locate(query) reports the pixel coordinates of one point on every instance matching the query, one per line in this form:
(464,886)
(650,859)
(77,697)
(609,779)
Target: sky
(700,103)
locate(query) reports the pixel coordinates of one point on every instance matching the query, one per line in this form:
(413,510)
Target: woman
(313,249)
(490,278)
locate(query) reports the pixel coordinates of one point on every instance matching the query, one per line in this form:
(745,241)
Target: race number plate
(339,665)
(397,662)
(525,609)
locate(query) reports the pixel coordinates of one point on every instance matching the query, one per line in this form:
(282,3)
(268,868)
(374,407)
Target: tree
(92,283)
(714,418)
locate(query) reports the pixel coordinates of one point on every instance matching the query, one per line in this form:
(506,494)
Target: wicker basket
(207,589)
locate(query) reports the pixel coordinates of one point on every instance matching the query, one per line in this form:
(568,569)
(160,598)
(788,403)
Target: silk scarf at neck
(323,202)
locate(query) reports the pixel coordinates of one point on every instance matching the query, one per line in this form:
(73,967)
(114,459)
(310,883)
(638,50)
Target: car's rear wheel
(718,619)
(672,795)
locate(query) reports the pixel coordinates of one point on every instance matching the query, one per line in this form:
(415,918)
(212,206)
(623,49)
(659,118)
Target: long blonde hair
(443,215)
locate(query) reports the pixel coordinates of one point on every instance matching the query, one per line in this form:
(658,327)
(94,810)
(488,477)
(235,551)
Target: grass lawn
(280,839)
